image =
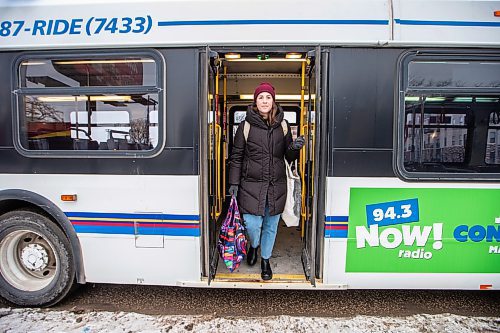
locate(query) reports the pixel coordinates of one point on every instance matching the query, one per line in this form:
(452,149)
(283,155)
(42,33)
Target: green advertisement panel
(424,230)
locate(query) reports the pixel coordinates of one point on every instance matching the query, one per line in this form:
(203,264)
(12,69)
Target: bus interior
(233,76)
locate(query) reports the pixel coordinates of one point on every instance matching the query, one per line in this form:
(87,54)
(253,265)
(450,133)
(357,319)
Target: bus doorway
(233,76)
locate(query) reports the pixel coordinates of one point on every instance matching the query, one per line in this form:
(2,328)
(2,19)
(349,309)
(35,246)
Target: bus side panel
(450,260)
(176,262)
(178,158)
(187,23)
(361,186)
(360,129)
(137,219)
(132,229)
(447,21)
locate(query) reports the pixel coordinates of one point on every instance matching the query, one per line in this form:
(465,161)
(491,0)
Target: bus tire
(36,261)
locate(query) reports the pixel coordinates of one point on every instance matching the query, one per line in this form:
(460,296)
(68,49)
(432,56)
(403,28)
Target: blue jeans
(262,231)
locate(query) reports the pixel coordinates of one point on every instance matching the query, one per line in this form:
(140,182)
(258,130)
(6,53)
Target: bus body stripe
(336,218)
(272,22)
(135,224)
(154,216)
(336,226)
(120,230)
(328,22)
(449,23)
(145,224)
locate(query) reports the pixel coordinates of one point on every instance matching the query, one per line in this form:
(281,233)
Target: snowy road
(122,308)
(37,320)
(158,300)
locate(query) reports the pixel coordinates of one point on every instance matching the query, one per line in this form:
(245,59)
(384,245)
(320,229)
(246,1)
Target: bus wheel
(36,262)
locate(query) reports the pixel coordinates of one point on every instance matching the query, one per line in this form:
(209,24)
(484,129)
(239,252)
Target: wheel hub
(34,257)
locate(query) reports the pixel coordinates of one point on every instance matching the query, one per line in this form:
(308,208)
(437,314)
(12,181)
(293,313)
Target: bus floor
(285,262)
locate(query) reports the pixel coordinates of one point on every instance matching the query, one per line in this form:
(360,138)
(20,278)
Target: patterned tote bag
(232,243)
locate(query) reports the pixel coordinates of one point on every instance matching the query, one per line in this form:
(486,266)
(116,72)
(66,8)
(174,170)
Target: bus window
(434,137)
(104,104)
(449,126)
(103,71)
(453,74)
(444,134)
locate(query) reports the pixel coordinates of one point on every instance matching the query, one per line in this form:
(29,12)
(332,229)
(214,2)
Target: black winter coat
(257,165)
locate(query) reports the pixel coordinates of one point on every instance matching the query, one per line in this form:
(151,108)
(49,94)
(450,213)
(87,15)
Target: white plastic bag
(291,213)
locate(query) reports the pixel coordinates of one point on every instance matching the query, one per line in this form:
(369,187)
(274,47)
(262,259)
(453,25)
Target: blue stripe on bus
(134,216)
(121,230)
(131,224)
(335,233)
(336,218)
(336,226)
(449,23)
(274,22)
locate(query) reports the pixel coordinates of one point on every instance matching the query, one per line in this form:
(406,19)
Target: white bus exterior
(141,214)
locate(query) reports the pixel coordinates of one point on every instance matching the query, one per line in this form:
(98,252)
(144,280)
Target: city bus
(117,120)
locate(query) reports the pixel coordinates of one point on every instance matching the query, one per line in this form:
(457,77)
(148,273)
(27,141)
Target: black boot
(267,273)
(252,255)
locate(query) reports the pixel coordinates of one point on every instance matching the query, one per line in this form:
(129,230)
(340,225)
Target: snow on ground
(42,320)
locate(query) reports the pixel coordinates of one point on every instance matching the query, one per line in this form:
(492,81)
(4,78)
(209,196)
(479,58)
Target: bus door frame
(314,189)
(321,157)
(208,157)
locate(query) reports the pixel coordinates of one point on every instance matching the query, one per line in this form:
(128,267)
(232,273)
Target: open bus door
(211,190)
(310,162)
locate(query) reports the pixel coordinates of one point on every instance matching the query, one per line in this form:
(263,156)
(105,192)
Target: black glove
(233,190)
(298,143)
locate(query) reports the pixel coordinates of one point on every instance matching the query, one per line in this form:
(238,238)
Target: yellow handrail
(313,132)
(210,157)
(224,131)
(302,131)
(218,197)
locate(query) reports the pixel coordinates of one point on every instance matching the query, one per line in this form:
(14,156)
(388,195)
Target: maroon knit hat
(264,87)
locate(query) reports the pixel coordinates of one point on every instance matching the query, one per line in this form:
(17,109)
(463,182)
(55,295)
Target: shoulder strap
(246,130)
(285,127)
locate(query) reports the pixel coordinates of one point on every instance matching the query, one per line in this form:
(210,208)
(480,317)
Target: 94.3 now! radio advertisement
(423,230)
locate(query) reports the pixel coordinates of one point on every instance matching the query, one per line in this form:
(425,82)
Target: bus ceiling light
(232,55)
(434,99)
(268,60)
(68,197)
(293,55)
(111,98)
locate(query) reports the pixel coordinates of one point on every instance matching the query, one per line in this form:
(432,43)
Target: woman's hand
(298,143)
(233,190)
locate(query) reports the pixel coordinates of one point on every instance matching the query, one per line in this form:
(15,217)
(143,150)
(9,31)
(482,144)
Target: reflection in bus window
(90,72)
(493,144)
(106,122)
(449,127)
(118,111)
(453,74)
(445,134)
(441,138)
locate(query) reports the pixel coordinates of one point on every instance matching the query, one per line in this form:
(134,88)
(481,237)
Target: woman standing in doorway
(257,172)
